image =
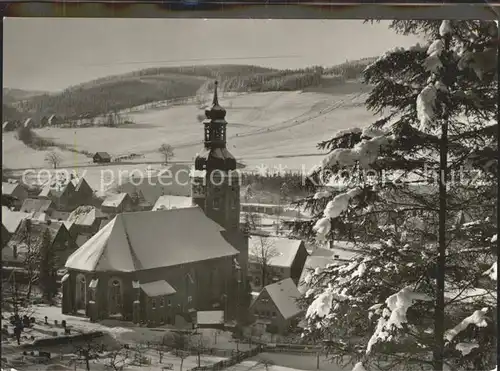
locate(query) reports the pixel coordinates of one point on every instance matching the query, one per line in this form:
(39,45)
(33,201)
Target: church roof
(152,239)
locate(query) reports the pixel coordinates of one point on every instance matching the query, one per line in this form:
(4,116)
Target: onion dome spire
(216,112)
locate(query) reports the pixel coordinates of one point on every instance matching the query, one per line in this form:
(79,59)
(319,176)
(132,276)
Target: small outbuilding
(102,157)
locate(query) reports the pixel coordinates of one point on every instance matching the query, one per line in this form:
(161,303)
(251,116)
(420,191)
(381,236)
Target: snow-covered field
(264,129)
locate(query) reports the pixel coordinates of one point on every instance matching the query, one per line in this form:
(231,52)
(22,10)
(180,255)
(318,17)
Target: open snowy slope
(264,128)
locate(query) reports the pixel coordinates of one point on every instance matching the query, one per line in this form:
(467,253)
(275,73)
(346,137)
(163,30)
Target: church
(156,267)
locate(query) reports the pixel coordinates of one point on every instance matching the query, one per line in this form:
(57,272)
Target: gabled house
(9,126)
(168,202)
(276,307)
(44,121)
(147,266)
(11,220)
(36,205)
(69,194)
(16,191)
(101,157)
(174,181)
(117,203)
(28,124)
(276,257)
(84,220)
(54,120)
(28,238)
(84,192)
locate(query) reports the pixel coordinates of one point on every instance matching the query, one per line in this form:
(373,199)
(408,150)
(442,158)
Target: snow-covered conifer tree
(378,187)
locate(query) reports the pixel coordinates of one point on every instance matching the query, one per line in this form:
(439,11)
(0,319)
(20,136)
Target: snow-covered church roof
(152,239)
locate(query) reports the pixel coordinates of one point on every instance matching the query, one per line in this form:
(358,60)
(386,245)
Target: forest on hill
(115,93)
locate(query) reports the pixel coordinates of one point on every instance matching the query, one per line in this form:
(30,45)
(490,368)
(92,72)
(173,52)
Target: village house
(54,120)
(320,258)
(276,309)
(12,219)
(38,206)
(28,238)
(117,203)
(101,157)
(168,202)
(28,124)
(16,191)
(281,257)
(175,180)
(44,121)
(9,126)
(157,266)
(67,195)
(84,220)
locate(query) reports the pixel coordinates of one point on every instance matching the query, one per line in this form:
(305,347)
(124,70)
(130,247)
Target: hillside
(115,93)
(10,113)
(14,95)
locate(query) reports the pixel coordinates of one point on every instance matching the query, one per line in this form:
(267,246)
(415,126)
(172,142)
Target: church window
(153,303)
(190,299)
(216,203)
(162,302)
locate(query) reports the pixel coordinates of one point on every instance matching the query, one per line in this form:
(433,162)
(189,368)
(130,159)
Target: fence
(235,359)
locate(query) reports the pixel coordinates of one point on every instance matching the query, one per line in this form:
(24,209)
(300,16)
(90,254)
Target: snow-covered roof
(9,188)
(114,200)
(31,205)
(12,219)
(284,294)
(172,202)
(281,252)
(157,288)
(321,257)
(210,317)
(152,239)
(83,215)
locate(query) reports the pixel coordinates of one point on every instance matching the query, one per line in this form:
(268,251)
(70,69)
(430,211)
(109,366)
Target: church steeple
(216,156)
(217,191)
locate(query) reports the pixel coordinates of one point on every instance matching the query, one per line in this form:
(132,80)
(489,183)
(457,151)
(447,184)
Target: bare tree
(167,151)
(118,360)
(262,254)
(180,345)
(266,363)
(53,158)
(199,343)
(85,353)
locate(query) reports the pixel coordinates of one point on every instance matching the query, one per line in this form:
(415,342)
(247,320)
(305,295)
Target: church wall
(211,280)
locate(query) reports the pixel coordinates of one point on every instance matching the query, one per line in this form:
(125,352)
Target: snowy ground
(124,332)
(279,130)
(286,362)
(129,332)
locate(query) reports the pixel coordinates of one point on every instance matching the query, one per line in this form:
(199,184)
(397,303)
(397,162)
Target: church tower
(216,183)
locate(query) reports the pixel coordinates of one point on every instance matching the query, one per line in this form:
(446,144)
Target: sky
(47,54)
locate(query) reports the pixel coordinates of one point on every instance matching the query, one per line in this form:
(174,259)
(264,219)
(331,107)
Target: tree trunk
(182,361)
(498,182)
(438,352)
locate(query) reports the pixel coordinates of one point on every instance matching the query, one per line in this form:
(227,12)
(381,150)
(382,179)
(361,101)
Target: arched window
(115,296)
(81,291)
